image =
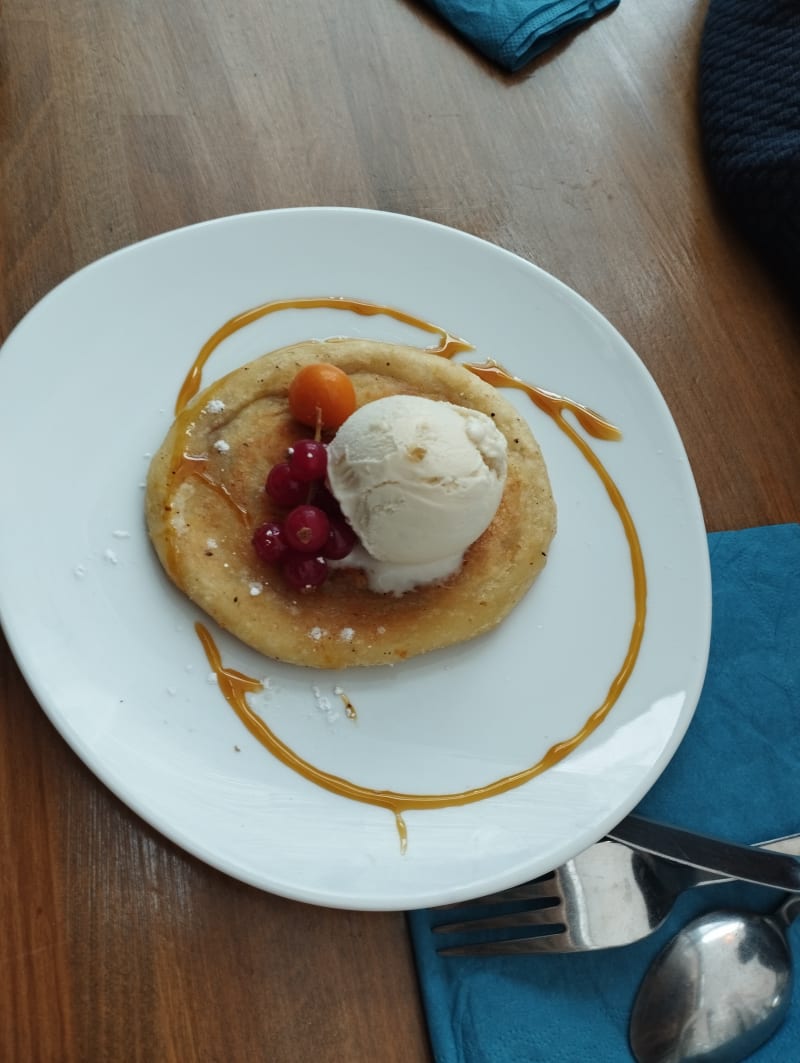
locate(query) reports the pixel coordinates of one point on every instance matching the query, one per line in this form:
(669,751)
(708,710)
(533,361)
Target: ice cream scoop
(418,480)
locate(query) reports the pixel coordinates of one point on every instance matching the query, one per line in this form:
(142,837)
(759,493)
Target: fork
(606,896)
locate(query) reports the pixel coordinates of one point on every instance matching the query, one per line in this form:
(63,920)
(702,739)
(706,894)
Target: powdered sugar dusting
(324,705)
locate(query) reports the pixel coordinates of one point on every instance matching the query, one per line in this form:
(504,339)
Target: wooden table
(123,119)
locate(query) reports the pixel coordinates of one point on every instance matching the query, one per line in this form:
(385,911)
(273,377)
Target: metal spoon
(718,991)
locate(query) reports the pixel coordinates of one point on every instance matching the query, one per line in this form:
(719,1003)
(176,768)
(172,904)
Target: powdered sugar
(324,705)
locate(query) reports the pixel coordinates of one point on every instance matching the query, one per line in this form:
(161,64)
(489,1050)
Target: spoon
(718,991)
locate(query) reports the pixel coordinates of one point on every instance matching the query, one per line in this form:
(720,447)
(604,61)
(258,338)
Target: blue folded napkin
(512,32)
(736,774)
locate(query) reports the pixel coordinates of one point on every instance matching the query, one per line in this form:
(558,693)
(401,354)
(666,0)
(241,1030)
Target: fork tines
(544,916)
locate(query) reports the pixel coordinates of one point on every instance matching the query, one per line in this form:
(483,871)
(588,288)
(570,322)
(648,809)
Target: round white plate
(89,379)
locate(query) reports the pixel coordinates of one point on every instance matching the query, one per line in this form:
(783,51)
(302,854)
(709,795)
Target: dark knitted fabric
(750,123)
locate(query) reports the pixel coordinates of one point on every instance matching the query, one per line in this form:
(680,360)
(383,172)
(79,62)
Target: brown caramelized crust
(204,501)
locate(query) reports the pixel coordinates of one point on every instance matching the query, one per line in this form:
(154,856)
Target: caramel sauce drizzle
(553,405)
(196,465)
(234,685)
(448,344)
(183,466)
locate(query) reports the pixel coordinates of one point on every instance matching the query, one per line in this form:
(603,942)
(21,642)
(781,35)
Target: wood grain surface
(120,119)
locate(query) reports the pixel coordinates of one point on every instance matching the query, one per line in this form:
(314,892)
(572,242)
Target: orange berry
(325,388)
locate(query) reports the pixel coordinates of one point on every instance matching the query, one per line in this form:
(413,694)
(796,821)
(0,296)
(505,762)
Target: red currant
(341,540)
(302,571)
(306,529)
(283,487)
(308,460)
(269,544)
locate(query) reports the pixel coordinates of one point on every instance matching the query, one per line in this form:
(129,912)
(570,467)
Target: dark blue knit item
(750,122)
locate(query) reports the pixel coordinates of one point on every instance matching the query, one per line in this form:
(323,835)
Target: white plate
(89,379)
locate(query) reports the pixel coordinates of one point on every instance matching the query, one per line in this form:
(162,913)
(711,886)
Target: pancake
(205,495)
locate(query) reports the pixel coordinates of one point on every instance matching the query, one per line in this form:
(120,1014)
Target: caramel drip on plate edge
(235,686)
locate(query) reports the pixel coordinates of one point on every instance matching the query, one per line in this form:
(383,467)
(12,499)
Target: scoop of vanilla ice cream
(418,480)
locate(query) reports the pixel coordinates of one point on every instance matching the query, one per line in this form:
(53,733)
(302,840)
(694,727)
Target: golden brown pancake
(205,496)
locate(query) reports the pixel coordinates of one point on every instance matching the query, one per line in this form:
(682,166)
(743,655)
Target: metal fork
(606,896)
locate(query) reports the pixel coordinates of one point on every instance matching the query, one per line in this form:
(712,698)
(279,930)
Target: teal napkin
(737,774)
(512,32)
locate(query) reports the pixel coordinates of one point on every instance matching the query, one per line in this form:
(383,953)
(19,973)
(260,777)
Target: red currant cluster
(314,531)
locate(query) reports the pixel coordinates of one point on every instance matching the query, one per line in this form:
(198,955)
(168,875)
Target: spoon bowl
(718,991)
